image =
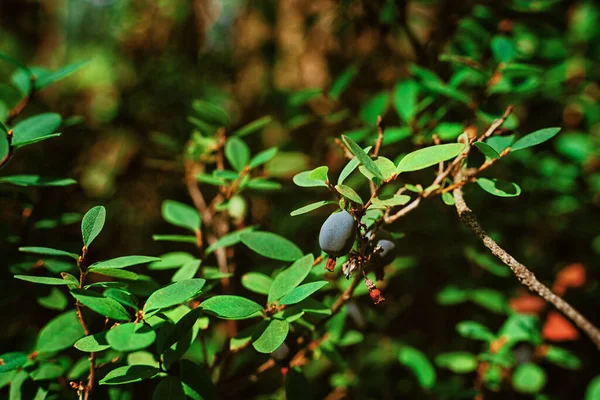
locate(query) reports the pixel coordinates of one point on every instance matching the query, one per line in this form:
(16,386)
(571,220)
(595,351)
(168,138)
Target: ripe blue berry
(387,243)
(337,234)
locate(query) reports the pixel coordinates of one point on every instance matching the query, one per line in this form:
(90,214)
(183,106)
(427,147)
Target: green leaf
(55,300)
(269,335)
(12,361)
(122,296)
(474,330)
(115,273)
(48,78)
(47,371)
(503,49)
(263,157)
(487,150)
(375,106)
(263,184)
(173,294)
(253,126)
(342,82)
(419,364)
(174,238)
(228,240)
(394,134)
(271,245)
(60,333)
(36,129)
(124,262)
(529,378)
(349,193)
(319,174)
(390,200)
(179,331)
(302,292)
(231,307)
(449,130)
(73,282)
(36,181)
(237,153)
(197,383)
(4,146)
(92,224)
(171,260)
(448,199)
(534,138)
(43,280)
(386,166)
(520,327)
(130,336)
(47,251)
(490,299)
(290,278)
(563,358)
(257,282)
(499,187)
(102,305)
(210,179)
(181,215)
(210,114)
(350,167)
(405,100)
(169,388)
(459,362)
(301,179)
(500,143)
(593,389)
(92,343)
(429,156)
(187,271)
(129,374)
(311,207)
(362,157)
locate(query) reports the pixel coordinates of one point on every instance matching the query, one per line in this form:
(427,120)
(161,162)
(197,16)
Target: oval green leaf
(363,157)
(92,224)
(290,278)
(173,294)
(301,179)
(43,280)
(257,282)
(302,292)
(237,153)
(47,251)
(310,207)
(534,138)
(92,343)
(181,215)
(36,129)
(349,193)
(499,187)
(131,336)
(129,374)
(271,245)
(529,378)
(271,336)
(419,364)
(231,307)
(60,333)
(102,305)
(429,156)
(124,262)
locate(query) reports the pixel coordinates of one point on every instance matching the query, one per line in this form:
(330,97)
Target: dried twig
(496,124)
(379,140)
(525,276)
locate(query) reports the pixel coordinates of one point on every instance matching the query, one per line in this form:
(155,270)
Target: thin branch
(379,140)
(342,146)
(402,212)
(496,124)
(525,276)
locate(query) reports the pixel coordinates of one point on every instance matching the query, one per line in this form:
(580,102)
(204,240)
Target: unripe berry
(337,234)
(387,243)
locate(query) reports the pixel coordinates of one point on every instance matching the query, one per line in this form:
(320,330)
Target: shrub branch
(525,276)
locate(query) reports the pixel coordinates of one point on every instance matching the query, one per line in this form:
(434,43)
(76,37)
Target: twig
(86,330)
(346,295)
(525,276)
(379,140)
(342,146)
(402,212)
(496,124)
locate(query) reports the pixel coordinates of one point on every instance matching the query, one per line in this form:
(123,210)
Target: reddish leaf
(527,303)
(558,328)
(572,276)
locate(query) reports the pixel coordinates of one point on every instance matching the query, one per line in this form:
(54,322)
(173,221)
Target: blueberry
(387,243)
(337,234)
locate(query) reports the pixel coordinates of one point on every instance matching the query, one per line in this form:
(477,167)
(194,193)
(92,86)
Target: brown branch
(86,330)
(402,212)
(343,147)
(379,140)
(496,124)
(8,156)
(525,276)
(345,296)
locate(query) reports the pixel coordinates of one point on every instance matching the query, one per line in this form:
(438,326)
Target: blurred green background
(149,59)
